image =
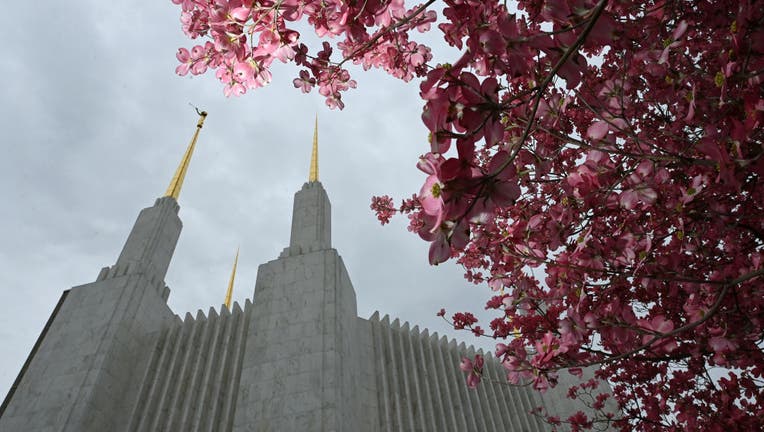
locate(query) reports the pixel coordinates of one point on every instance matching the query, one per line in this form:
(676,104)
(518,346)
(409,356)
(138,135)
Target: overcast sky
(94,121)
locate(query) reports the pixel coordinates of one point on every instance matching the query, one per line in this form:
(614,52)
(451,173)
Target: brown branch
(711,312)
(385,31)
(597,11)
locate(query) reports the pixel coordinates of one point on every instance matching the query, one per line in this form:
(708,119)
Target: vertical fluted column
(195,373)
(452,382)
(386,414)
(438,387)
(493,388)
(233,376)
(421,374)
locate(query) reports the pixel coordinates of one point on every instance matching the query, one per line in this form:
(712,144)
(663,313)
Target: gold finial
(313,177)
(177,180)
(229,293)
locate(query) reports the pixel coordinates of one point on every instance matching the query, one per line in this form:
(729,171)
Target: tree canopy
(597,165)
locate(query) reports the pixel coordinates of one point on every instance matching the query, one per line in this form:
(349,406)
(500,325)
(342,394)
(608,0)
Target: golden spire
(177,180)
(313,177)
(230,283)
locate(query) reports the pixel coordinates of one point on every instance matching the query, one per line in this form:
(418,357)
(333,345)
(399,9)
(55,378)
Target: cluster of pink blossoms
(246,37)
(598,165)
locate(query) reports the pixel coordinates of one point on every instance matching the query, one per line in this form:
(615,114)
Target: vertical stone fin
(529,404)
(410,407)
(519,406)
(420,374)
(453,402)
(158,378)
(382,375)
(479,401)
(148,378)
(492,383)
(394,380)
(215,401)
(197,370)
(454,352)
(180,386)
(435,377)
(171,373)
(232,379)
(209,364)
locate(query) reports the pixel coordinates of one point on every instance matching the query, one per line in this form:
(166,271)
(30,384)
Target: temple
(294,357)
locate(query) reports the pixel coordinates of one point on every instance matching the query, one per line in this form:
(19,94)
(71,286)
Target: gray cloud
(93,123)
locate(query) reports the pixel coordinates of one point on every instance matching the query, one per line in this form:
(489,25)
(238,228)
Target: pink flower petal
(628,199)
(240,13)
(597,130)
(440,251)
(183,55)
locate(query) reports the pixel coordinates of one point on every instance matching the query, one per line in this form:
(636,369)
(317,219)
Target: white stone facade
(297,357)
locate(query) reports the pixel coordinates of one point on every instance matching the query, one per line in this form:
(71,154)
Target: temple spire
(229,292)
(177,180)
(313,177)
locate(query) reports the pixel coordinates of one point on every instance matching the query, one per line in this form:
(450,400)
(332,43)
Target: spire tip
(229,292)
(173,190)
(313,176)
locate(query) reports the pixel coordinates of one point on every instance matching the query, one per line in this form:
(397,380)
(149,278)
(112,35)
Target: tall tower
(84,365)
(301,366)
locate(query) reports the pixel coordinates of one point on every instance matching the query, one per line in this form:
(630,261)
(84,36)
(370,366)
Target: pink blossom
(383,206)
(440,250)
(431,198)
(474,370)
(598,130)
(501,350)
(658,337)
(304,82)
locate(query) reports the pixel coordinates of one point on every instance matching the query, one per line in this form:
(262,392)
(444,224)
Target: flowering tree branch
(596,165)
